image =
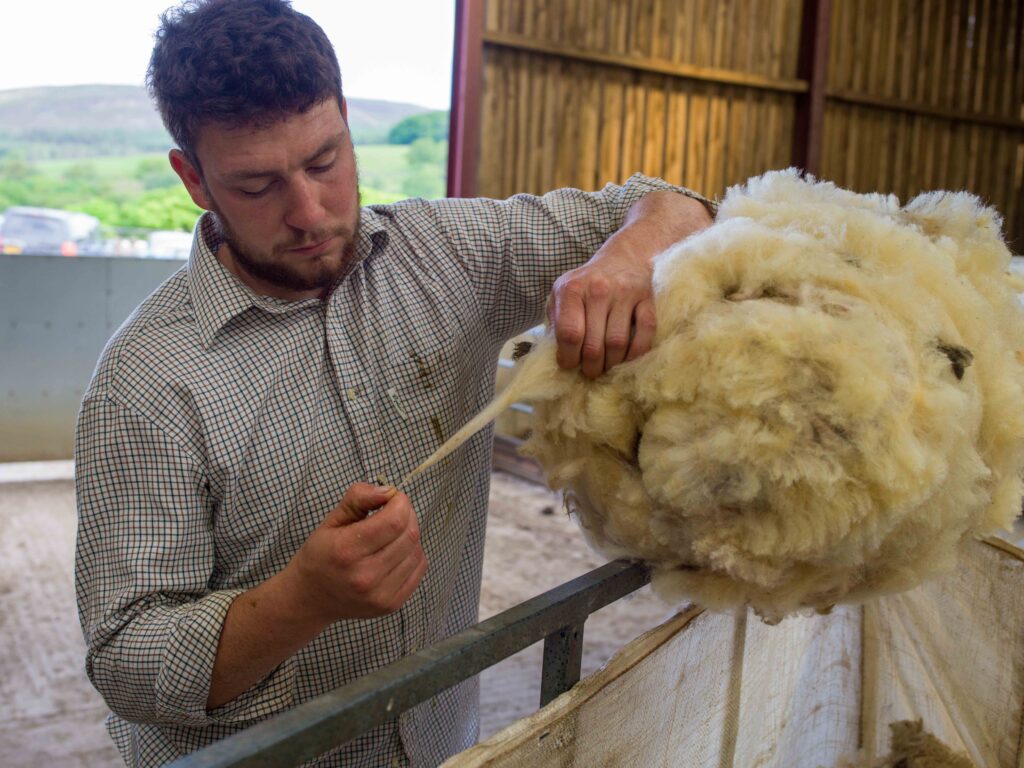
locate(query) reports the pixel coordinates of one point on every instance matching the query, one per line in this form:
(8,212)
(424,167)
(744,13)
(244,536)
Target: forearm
(656,221)
(263,628)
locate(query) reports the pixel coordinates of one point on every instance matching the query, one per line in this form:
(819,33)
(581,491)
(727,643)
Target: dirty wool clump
(832,404)
(914,747)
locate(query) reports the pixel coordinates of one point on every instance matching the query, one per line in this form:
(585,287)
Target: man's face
(286,198)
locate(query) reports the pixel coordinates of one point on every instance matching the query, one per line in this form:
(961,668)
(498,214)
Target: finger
(592,352)
(644,326)
(402,579)
(617,333)
(412,580)
(359,500)
(569,318)
(394,521)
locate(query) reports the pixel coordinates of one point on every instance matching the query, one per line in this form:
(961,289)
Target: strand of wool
(831,406)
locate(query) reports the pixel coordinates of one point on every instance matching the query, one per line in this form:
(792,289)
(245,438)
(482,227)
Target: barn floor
(52,715)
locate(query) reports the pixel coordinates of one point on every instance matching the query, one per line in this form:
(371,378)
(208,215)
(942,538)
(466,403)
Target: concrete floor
(53,717)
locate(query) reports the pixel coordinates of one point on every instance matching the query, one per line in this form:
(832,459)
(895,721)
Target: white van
(49,232)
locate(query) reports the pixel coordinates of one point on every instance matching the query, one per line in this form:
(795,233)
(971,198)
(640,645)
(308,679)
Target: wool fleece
(832,405)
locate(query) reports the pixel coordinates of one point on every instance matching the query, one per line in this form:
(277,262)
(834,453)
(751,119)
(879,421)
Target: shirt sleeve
(143,563)
(513,250)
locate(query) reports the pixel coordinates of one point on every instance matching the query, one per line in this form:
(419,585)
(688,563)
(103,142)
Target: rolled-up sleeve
(143,565)
(515,249)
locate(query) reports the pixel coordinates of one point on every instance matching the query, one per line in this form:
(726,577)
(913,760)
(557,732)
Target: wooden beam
(812,67)
(637,64)
(942,113)
(464,116)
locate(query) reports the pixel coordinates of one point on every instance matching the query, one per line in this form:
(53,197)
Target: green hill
(61,122)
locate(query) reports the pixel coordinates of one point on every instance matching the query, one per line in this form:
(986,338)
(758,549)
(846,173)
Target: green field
(383,168)
(140,191)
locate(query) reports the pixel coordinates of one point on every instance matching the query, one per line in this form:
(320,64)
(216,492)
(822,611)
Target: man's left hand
(603,312)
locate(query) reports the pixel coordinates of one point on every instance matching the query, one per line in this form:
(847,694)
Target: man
(244,422)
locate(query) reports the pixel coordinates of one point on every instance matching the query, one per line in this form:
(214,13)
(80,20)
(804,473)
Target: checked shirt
(221,426)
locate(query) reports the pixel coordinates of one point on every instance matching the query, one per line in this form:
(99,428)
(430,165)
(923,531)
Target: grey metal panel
(56,314)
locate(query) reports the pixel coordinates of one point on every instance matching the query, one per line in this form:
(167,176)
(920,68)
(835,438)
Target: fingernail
(383,488)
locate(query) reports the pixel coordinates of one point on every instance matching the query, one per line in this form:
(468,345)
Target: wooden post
(812,66)
(464,117)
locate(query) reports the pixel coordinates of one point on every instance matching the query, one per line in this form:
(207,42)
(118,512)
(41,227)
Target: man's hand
(359,567)
(352,566)
(603,311)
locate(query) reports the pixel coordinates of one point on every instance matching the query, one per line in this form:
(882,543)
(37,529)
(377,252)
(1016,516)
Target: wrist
(294,604)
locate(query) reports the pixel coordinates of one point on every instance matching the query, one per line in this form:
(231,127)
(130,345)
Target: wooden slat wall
(922,94)
(928,94)
(656,103)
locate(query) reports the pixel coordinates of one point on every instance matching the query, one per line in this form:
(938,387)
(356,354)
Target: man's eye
(322,168)
(257,193)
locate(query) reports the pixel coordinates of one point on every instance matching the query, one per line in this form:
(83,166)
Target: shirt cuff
(648,184)
(183,683)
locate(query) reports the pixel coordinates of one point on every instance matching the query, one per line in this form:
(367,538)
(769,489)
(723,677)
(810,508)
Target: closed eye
(322,168)
(257,193)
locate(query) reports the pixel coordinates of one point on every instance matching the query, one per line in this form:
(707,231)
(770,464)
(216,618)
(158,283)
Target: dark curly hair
(235,63)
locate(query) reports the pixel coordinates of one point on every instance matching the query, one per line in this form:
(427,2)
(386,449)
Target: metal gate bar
(334,718)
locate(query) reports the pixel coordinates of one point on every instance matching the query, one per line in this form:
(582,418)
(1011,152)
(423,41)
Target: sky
(395,50)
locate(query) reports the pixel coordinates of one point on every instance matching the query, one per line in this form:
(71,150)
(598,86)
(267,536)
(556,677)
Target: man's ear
(344,110)
(190,178)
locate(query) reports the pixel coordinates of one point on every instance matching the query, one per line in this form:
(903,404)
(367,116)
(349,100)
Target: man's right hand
(358,567)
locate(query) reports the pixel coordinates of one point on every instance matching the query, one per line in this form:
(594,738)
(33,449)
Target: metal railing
(334,718)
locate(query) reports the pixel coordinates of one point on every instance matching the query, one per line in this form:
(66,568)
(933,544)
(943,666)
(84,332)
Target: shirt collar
(218,295)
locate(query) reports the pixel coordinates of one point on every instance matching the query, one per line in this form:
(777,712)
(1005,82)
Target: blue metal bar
(334,718)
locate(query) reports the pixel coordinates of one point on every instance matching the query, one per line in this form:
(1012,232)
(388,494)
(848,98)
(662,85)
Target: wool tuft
(833,403)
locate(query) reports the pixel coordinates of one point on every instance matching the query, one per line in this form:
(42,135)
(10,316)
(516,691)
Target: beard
(273,267)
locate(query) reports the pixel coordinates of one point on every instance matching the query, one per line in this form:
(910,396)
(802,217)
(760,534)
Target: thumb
(359,500)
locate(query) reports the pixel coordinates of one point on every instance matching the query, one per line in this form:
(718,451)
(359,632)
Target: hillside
(96,120)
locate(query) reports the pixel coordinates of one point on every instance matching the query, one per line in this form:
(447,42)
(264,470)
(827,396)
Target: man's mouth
(314,249)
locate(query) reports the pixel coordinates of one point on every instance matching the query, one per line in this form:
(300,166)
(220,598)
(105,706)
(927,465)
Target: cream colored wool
(832,404)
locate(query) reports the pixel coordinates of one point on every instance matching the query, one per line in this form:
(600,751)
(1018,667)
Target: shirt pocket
(421,395)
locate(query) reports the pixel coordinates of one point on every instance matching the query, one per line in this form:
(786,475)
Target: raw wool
(832,403)
(914,747)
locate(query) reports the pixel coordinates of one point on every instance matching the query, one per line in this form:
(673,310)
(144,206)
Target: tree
(432,125)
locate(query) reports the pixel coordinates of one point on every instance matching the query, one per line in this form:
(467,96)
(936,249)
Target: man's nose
(305,211)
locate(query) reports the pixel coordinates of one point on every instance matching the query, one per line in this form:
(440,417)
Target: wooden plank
(653,150)
(682,36)
(714,178)
(703,34)
(641,32)
(703,74)
(540,129)
(697,140)
(632,128)
(559,130)
(719,32)
(675,133)
(568,93)
(521,98)
(588,145)
(1011,50)
(662,22)
(613,100)
(618,31)
(489,178)
(898,105)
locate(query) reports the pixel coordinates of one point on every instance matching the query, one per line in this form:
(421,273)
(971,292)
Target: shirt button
(352,393)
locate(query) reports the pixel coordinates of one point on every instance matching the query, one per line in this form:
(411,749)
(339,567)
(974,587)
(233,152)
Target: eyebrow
(332,143)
